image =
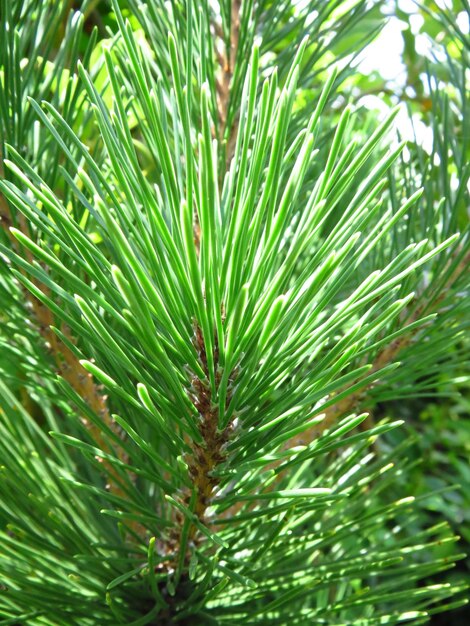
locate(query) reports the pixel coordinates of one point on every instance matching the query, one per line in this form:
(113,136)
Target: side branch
(68,365)
(385,356)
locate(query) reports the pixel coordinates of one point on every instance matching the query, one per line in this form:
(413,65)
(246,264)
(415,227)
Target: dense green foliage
(225,286)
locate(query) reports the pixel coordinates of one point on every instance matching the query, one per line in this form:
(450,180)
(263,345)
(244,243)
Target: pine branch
(217,305)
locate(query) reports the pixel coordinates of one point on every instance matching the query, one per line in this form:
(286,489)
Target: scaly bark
(204,457)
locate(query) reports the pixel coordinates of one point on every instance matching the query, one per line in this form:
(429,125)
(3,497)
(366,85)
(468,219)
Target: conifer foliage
(208,281)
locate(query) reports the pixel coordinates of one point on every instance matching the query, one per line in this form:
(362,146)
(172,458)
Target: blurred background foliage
(427,71)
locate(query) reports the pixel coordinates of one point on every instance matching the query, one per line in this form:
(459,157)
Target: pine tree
(211,275)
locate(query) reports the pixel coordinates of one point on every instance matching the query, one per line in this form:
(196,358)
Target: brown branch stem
(226,61)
